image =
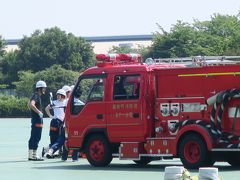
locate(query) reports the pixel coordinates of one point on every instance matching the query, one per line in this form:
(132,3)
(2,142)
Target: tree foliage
(2,46)
(178,42)
(25,85)
(143,51)
(222,33)
(9,66)
(55,77)
(54,46)
(13,107)
(219,36)
(122,50)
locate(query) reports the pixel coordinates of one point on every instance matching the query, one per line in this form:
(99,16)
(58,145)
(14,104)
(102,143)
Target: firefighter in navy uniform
(35,105)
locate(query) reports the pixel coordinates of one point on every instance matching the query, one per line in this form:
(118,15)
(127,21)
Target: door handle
(135,115)
(99,116)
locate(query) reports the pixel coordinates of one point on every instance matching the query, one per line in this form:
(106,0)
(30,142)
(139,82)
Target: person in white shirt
(61,139)
(58,106)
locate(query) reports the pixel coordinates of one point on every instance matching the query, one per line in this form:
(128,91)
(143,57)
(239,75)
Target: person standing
(61,139)
(58,107)
(35,106)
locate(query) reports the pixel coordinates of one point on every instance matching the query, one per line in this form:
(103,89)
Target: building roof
(101,39)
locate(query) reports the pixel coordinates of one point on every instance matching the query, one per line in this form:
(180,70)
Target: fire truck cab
(128,109)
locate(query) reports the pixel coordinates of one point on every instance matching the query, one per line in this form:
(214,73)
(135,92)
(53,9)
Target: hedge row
(11,106)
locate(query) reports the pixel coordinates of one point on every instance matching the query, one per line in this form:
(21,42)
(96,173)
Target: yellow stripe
(210,74)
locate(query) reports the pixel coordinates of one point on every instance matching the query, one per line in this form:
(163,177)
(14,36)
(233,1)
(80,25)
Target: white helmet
(72,86)
(66,88)
(41,84)
(61,92)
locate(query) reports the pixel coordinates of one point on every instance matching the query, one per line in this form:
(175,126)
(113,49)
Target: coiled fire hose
(219,102)
(217,113)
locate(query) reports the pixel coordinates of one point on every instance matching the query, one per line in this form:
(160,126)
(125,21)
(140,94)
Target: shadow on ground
(125,167)
(13,161)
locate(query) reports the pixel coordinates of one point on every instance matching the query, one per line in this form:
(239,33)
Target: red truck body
(165,110)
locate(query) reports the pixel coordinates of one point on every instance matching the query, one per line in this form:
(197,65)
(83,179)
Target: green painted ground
(14,135)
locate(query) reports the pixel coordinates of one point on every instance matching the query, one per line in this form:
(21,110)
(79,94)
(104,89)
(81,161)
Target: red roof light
(102,57)
(112,59)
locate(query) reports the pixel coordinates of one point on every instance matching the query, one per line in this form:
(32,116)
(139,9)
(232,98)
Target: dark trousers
(54,132)
(36,133)
(65,154)
(59,143)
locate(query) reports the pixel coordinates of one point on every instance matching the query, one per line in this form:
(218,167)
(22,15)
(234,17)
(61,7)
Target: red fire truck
(164,108)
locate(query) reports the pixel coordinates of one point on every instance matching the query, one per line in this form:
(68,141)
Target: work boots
(32,155)
(49,154)
(44,151)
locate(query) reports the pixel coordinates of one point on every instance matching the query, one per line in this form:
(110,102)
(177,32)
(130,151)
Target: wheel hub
(192,152)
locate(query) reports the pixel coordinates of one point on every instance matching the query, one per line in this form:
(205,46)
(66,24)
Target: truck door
(124,111)
(87,107)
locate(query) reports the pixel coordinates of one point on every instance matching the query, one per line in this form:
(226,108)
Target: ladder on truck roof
(196,61)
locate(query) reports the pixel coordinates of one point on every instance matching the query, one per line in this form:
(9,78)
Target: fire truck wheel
(98,151)
(143,161)
(193,151)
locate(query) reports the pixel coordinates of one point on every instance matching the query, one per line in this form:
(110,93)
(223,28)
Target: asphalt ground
(14,135)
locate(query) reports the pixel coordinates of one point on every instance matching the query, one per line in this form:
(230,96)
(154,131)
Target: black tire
(98,151)
(234,162)
(193,152)
(234,159)
(210,162)
(143,161)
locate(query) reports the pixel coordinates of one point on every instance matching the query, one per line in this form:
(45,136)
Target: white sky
(105,17)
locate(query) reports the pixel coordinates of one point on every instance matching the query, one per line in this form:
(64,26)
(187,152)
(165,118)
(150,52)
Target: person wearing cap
(68,91)
(61,138)
(58,106)
(35,106)
(72,87)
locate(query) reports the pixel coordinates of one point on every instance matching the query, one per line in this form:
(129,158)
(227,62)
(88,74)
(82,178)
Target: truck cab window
(126,87)
(96,93)
(87,90)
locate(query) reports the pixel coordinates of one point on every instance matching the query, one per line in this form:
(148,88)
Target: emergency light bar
(106,57)
(130,57)
(114,59)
